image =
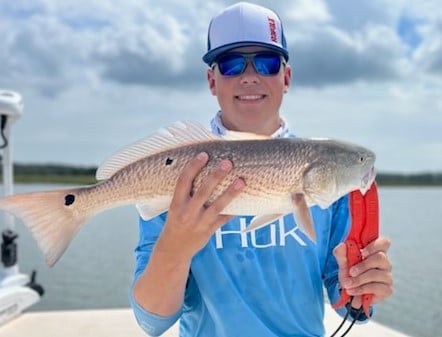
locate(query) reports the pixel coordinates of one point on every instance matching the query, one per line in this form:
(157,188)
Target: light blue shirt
(268,282)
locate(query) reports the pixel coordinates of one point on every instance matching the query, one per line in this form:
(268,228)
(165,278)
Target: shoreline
(89,179)
(70,174)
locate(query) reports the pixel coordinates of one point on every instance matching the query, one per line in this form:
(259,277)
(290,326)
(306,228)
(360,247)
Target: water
(96,271)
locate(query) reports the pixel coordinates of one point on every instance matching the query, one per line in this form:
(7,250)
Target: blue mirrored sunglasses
(265,63)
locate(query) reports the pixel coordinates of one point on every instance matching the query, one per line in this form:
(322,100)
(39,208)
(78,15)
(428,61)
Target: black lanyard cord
(355,318)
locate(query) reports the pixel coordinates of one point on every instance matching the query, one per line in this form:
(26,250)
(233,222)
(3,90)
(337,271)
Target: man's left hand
(370,276)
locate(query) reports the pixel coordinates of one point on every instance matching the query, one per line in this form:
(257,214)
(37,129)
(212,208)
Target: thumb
(340,253)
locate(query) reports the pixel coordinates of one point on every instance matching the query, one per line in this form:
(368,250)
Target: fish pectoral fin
(317,199)
(152,209)
(262,220)
(302,216)
(317,188)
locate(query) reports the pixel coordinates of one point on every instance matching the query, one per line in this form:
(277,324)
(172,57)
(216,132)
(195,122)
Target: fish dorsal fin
(175,135)
(236,135)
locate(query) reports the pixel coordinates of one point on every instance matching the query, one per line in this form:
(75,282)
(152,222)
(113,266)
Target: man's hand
(190,222)
(371,276)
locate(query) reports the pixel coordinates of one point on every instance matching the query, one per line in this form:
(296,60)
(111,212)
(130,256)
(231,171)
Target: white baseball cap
(244,24)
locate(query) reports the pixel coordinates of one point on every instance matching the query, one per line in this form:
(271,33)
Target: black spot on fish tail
(169,161)
(69,199)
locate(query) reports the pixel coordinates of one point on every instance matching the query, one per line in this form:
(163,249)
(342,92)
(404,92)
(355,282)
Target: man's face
(250,101)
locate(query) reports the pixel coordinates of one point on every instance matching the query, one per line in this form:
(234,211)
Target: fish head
(338,168)
(355,168)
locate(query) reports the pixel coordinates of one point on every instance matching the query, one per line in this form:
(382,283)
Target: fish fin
(52,223)
(177,134)
(314,181)
(261,221)
(312,199)
(152,209)
(236,135)
(302,216)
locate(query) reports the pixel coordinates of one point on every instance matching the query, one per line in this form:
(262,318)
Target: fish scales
(271,169)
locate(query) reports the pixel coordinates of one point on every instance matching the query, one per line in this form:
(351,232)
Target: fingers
(378,260)
(183,189)
(369,276)
(190,171)
(372,275)
(191,221)
(380,290)
(381,244)
(190,209)
(209,184)
(223,201)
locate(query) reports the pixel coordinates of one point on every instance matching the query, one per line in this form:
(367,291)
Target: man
(196,265)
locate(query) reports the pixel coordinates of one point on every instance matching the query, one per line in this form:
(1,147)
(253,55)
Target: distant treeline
(417,179)
(53,173)
(52,169)
(59,173)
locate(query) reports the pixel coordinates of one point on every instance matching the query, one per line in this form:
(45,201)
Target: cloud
(24,53)
(97,75)
(306,12)
(154,48)
(52,45)
(329,56)
(428,56)
(350,16)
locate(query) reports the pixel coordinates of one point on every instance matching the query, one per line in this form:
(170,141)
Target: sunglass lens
(231,65)
(267,64)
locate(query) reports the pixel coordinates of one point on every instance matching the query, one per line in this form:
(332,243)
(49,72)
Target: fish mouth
(367,180)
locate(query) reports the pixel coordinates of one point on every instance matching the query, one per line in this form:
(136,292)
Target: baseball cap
(244,24)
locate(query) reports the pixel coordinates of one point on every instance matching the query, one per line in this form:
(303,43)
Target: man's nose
(249,74)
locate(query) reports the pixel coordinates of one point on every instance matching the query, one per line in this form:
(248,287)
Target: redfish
(282,176)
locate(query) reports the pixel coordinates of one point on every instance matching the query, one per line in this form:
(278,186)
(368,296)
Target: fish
(282,176)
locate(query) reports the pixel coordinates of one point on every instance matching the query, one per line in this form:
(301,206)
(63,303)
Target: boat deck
(121,322)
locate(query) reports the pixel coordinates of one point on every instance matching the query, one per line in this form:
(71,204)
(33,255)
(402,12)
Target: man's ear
(287,77)
(211,81)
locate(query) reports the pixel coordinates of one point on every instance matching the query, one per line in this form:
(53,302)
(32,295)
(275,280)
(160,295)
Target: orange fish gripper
(364,210)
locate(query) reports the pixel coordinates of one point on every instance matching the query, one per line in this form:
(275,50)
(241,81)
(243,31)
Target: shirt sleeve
(152,324)
(340,228)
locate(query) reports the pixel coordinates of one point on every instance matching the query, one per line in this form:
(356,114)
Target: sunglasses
(265,63)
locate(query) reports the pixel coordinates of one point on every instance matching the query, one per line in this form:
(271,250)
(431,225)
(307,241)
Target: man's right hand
(190,222)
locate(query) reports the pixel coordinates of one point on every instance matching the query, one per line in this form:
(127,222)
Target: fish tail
(50,217)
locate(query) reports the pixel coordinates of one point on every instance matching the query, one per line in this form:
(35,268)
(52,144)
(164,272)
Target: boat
(18,291)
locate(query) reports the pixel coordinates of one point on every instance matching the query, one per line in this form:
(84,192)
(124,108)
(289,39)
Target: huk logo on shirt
(278,235)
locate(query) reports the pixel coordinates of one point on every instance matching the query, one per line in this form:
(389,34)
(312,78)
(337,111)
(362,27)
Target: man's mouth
(249,97)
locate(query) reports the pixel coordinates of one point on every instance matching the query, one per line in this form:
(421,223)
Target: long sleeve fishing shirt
(268,282)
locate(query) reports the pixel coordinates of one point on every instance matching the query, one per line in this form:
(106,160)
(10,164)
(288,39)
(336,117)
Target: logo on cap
(272,28)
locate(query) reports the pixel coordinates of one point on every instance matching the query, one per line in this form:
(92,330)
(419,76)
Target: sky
(97,75)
